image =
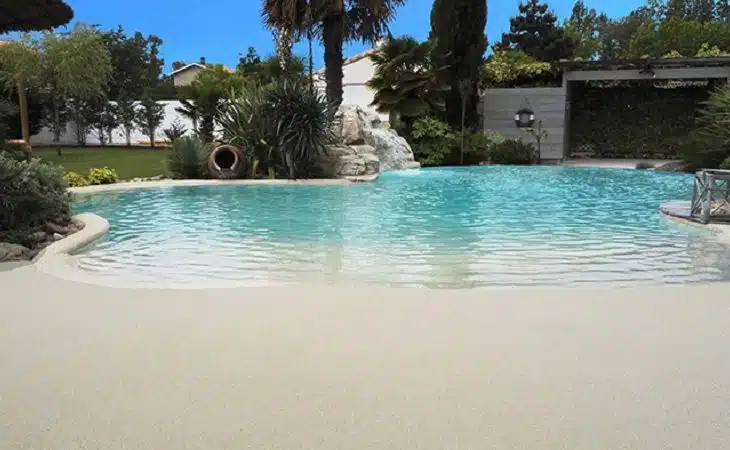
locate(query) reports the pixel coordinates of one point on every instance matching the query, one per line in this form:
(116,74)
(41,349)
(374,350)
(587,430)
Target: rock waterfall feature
(367,146)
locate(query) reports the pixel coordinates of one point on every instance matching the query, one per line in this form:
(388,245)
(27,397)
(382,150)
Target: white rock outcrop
(365,138)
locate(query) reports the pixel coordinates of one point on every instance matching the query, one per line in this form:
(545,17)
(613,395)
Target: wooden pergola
(682,69)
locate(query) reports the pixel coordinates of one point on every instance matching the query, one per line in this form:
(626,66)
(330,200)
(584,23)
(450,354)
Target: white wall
(45,136)
(355,92)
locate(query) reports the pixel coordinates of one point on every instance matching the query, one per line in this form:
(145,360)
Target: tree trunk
(283,48)
(332,35)
(57,125)
(24,124)
(311,62)
(128,136)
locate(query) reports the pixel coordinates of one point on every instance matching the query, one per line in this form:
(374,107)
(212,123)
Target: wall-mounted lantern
(525,116)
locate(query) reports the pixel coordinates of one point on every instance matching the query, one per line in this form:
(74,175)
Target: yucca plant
(188,158)
(244,124)
(299,125)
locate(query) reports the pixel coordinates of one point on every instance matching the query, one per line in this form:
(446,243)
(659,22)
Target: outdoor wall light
(524,118)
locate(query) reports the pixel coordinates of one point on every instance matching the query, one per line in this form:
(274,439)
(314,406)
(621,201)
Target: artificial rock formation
(368,146)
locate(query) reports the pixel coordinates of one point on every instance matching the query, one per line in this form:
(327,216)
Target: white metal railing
(711,196)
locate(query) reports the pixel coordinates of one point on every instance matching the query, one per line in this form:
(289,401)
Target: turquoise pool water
(442,228)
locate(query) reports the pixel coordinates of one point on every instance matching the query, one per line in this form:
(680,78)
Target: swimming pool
(441,228)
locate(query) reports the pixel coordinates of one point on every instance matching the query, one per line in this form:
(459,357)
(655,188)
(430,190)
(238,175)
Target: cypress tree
(457,27)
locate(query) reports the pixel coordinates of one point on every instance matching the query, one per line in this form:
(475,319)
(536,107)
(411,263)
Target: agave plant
(299,124)
(188,158)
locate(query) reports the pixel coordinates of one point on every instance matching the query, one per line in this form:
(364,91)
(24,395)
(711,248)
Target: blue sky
(221,29)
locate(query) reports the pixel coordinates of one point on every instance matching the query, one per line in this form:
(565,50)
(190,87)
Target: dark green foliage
(479,146)
(268,70)
(282,125)
(33,15)
(36,114)
(136,63)
(633,119)
(299,124)
(433,142)
(176,131)
(457,28)
(536,32)
(188,158)
(408,80)
(709,146)
(126,114)
(512,151)
(31,194)
(245,125)
(148,117)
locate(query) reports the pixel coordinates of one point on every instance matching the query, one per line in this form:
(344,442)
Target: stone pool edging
(721,231)
(248,182)
(57,254)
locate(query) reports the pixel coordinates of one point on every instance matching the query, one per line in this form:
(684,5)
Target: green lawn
(128,162)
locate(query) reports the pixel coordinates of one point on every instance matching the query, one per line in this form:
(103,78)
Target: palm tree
(338,21)
(407,81)
(287,20)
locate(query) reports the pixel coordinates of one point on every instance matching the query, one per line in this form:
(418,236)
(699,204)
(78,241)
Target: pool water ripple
(440,228)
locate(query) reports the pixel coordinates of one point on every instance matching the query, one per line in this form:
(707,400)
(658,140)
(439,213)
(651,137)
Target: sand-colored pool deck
(84,366)
(343,367)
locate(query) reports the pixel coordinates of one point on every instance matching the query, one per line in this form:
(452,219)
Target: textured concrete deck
(85,366)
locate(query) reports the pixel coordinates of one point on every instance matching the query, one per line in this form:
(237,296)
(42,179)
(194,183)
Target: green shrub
(74,179)
(282,125)
(703,152)
(102,175)
(433,142)
(479,145)
(512,151)
(175,132)
(725,165)
(244,125)
(31,194)
(298,123)
(188,158)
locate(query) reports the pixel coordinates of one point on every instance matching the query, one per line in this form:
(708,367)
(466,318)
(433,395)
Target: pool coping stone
(247,182)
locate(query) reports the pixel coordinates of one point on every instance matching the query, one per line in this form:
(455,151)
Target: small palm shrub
(31,194)
(512,151)
(188,158)
(710,144)
(74,179)
(102,175)
(433,142)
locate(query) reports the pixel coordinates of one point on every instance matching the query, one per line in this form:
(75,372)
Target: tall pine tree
(536,32)
(457,28)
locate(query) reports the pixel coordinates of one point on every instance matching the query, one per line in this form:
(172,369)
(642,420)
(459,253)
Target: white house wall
(354,90)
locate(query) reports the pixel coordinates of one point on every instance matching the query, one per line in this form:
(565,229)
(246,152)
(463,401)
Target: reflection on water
(442,228)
